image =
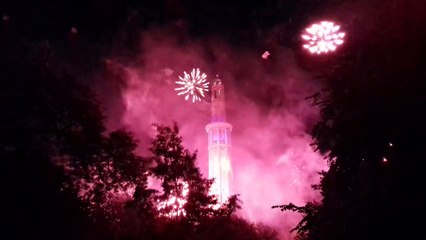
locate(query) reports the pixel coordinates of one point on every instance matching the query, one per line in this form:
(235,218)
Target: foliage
(175,165)
(234,228)
(309,211)
(57,159)
(47,117)
(114,176)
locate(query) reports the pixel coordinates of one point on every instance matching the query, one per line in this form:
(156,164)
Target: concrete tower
(219,138)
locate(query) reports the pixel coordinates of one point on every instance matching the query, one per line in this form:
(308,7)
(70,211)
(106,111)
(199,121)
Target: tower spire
(218,101)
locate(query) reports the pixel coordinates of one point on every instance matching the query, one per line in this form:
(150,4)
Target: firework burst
(193,84)
(322,37)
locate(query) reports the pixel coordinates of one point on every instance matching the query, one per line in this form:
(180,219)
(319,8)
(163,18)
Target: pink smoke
(273,162)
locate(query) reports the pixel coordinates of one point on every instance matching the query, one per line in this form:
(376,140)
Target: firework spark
(193,84)
(322,37)
(174,205)
(265,55)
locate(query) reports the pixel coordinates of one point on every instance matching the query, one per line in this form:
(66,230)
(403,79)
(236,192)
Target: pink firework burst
(322,37)
(193,84)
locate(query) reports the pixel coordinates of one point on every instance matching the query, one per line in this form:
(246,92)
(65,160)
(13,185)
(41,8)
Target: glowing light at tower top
(193,84)
(322,37)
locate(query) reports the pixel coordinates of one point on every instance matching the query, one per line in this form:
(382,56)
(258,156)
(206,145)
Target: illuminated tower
(219,138)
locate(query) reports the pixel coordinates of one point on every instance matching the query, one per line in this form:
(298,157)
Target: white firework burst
(323,37)
(193,84)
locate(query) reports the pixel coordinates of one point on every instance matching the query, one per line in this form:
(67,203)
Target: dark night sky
(113,27)
(234,20)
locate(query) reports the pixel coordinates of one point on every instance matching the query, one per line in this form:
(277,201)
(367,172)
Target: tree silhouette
(175,166)
(55,152)
(47,118)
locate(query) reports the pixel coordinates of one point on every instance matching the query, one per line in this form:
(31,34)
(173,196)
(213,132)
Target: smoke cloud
(273,162)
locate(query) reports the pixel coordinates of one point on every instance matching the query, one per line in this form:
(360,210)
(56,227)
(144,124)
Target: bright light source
(322,37)
(193,84)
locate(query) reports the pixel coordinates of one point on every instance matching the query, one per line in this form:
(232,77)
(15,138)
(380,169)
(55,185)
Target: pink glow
(272,160)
